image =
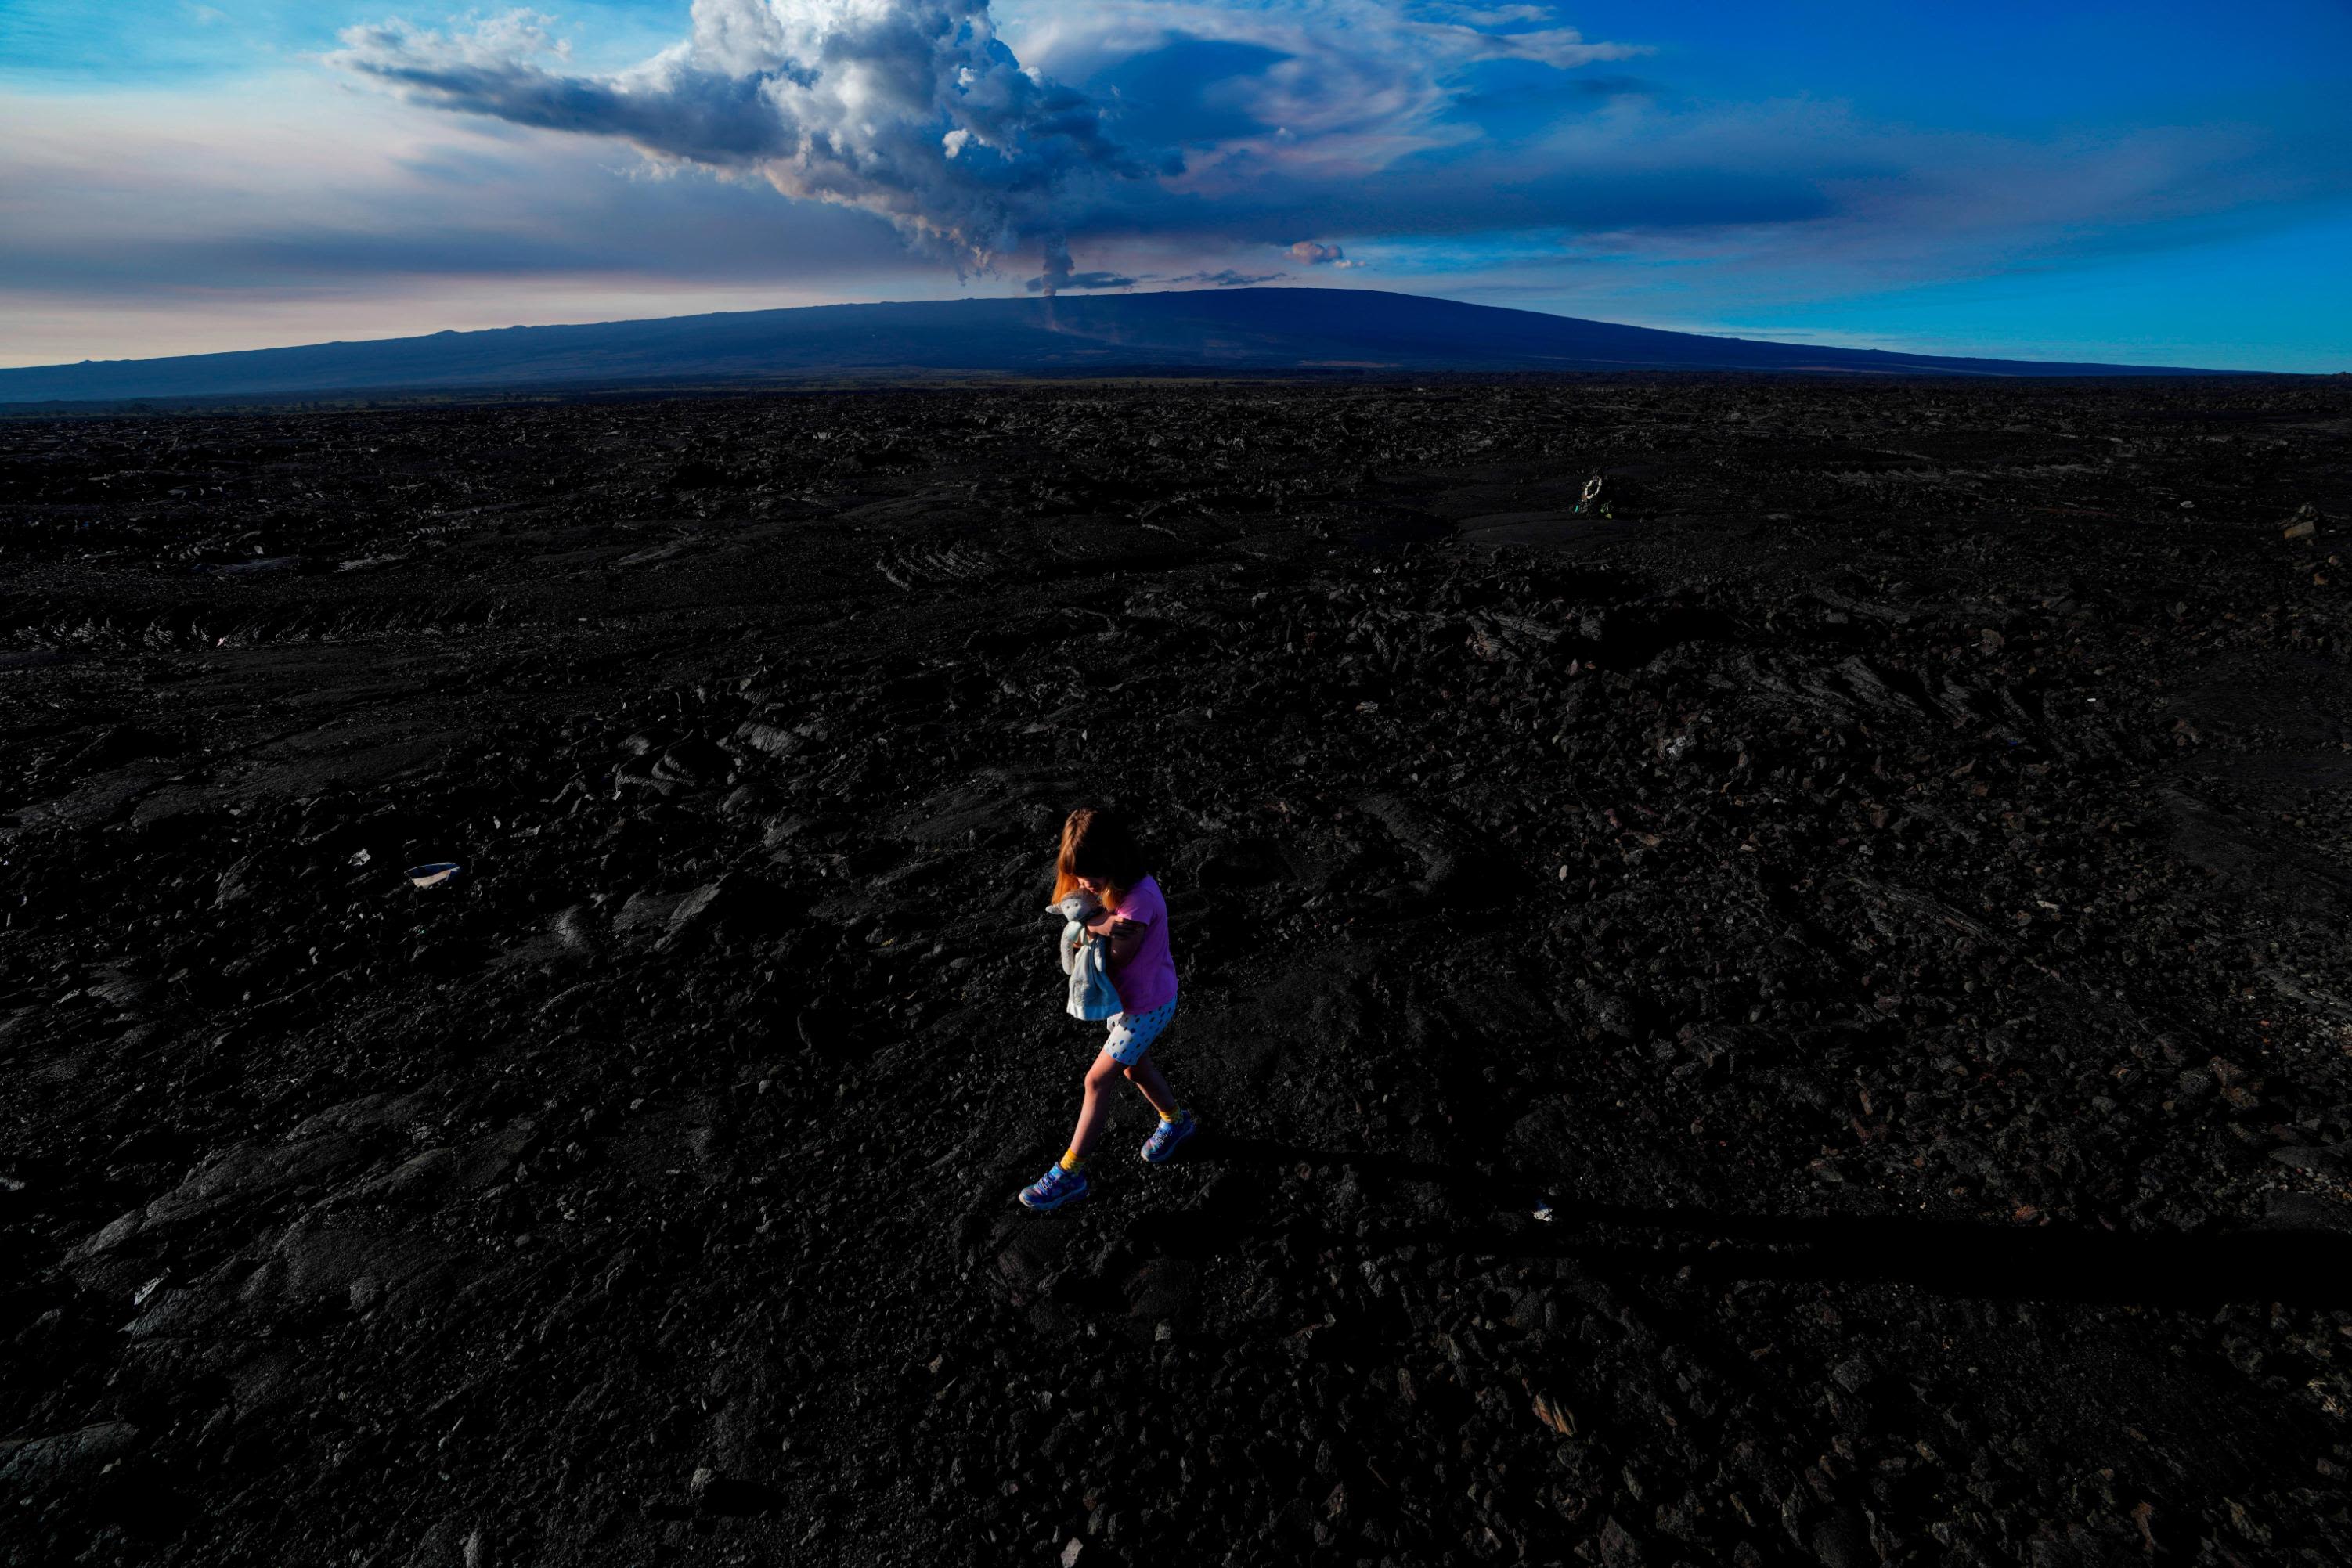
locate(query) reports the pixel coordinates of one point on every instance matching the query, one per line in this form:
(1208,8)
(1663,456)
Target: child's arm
(1124,935)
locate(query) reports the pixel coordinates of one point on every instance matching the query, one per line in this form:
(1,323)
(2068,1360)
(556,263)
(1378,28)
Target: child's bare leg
(1096,1106)
(1154,1088)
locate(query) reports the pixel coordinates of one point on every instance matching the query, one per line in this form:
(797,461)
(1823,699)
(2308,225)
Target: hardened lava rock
(1876,886)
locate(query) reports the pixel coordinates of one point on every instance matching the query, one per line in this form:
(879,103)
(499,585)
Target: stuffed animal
(1092,995)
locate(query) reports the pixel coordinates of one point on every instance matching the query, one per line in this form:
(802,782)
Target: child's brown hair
(1096,844)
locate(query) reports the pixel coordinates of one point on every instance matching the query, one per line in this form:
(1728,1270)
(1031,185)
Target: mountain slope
(1239,329)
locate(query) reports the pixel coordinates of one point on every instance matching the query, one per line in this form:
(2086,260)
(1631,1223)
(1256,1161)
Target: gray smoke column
(910,109)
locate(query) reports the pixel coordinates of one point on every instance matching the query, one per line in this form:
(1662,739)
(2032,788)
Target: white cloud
(1351,86)
(918,111)
(1315,253)
(909,109)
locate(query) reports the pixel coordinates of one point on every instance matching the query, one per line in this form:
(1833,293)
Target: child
(1099,857)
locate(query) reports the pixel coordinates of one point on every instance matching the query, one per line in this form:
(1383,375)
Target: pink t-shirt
(1148,978)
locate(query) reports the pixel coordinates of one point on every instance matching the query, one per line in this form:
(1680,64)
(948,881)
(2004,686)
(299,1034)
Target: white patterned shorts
(1131,1034)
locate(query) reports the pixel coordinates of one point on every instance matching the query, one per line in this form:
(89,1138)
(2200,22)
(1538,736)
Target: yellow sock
(1071,1160)
(1175,1115)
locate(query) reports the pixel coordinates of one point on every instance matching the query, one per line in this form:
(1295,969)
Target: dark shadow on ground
(2298,1265)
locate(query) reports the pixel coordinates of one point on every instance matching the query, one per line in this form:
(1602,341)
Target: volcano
(1250,330)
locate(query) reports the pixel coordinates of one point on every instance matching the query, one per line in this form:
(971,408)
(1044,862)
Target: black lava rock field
(1794,1010)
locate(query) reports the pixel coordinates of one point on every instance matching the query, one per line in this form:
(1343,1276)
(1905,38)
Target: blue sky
(2150,184)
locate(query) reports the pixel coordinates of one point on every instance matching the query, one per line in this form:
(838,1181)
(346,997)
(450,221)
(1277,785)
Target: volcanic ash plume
(911,108)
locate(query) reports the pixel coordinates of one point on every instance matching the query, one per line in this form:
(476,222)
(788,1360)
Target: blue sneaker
(1055,1188)
(1167,1136)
